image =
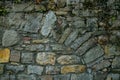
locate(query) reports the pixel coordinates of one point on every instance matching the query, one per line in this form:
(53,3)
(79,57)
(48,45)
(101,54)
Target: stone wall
(60,40)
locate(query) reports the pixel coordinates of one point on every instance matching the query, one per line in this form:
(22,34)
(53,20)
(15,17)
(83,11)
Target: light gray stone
(80,40)
(83,76)
(93,54)
(57,47)
(35,69)
(52,69)
(15,68)
(79,23)
(71,37)
(10,38)
(115,63)
(68,59)
(27,57)
(45,58)
(102,65)
(49,23)
(86,46)
(33,23)
(25,77)
(35,47)
(62,77)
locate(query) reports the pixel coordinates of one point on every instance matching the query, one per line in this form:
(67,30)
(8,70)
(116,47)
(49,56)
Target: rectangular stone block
(15,56)
(62,77)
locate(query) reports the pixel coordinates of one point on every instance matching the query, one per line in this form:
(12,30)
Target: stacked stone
(70,43)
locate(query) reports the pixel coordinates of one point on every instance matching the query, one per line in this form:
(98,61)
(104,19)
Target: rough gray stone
(10,37)
(92,54)
(80,40)
(112,76)
(71,2)
(60,3)
(62,77)
(27,57)
(79,23)
(15,56)
(15,68)
(92,24)
(115,63)
(100,76)
(71,37)
(33,23)
(86,46)
(49,23)
(1,68)
(83,76)
(52,69)
(101,65)
(35,47)
(57,47)
(26,77)
(4,77)
(35,70)
(68,59)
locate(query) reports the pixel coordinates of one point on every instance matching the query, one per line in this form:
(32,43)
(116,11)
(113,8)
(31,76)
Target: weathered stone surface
(10,38)
(45,58)
(62,77)
(49,23)
(68,59)
(46,77)
(115,63)
(57,47)
(26,77)
(100,76)
(93,54)
(15,68)
(15,56)
(71,2)
(83,76)
(73,69)
(92,24)
(40,41)
(32,24)
(35,69)
(1,35)
(60,3)
(101,65)
(71,37)
(79,23)
(4,55)
(86,46)
(35,47)
(111,50)
(52,69)
(65,35)
(80,40)
(112,76)
(4,77)
(27,57)
(1,68)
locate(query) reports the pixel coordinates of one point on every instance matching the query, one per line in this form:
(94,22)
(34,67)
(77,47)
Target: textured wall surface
(60,40)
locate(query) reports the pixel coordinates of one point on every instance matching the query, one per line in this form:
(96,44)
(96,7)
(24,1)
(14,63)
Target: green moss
(3,11)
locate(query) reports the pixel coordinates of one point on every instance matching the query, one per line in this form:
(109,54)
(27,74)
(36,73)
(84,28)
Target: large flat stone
(93,54)
(68,59)
(45,58)
(10,38)
(48,24)
(35,69)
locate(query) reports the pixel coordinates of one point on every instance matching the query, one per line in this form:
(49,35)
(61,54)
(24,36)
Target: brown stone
(4,55)
(73,69)
(40,41)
